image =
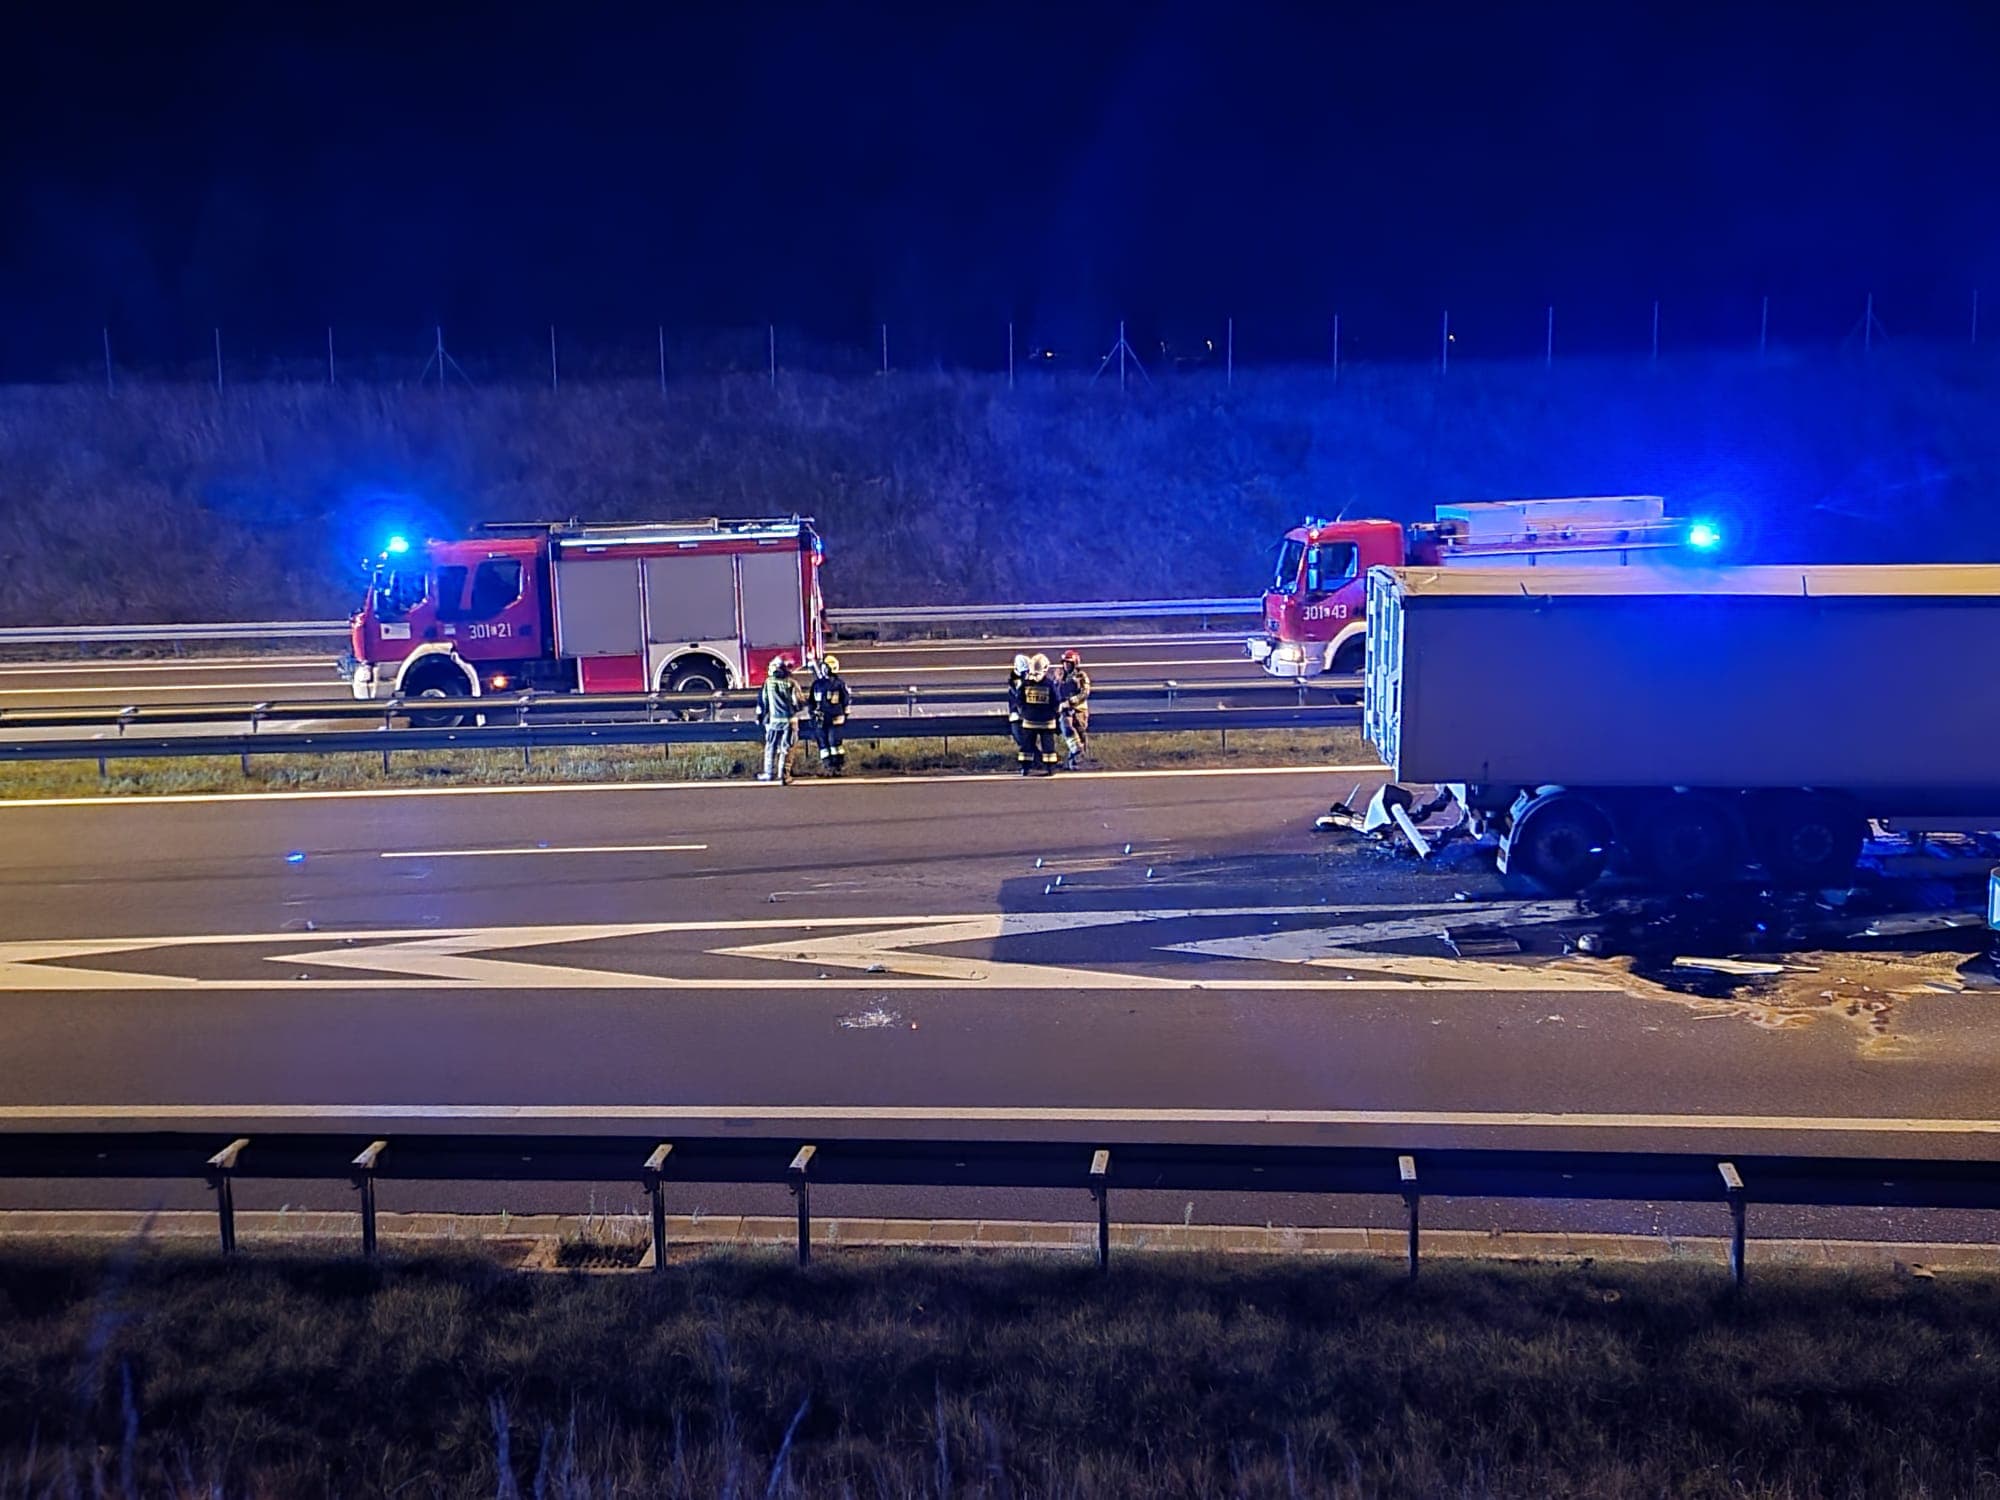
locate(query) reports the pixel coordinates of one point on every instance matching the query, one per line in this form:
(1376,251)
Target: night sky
(946,167)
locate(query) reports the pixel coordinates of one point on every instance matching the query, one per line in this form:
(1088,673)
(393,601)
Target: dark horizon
(945,171)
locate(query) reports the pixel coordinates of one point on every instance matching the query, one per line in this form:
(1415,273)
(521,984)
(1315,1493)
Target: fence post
(1549,347)
(1406,1174)
(656,1164)
(1100,1189)
(802,1191)
(221,1172)
(108,387)
(1763,325)
(364,1179)
(1444,345)
(218,361)
(1732,1185)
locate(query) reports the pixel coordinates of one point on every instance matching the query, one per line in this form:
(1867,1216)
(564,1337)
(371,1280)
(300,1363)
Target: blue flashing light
(1704,536)
(296,857)
(397,545)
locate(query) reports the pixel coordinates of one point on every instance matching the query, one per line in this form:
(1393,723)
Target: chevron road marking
(892,952)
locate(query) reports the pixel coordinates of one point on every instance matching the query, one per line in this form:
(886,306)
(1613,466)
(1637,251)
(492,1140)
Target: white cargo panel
(1842,677)
(597,606)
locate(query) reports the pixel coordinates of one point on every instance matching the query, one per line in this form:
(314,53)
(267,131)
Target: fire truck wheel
(1808,839)
(439,688)
(1348,662)
(1561,841)
(696,677)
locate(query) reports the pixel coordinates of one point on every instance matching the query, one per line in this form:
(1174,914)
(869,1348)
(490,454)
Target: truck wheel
(1561,841)
(695,677)
(439,686)
(1687,841)
(1348,662)
(1809,839)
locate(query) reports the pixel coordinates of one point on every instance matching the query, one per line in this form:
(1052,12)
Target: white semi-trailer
(1686,722)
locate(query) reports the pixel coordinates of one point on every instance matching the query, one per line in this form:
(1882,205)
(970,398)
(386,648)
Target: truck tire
(1561,841)
(1808,839)
(1348,661)
(438,686)
(1686,841)
(698,676)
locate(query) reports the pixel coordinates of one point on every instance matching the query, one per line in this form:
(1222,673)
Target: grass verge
(166,1372)
(1245,747)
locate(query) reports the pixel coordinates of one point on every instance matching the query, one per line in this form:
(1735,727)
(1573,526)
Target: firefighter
(1073,699)
(828,704)
(778,712)
(1038,719)
(1014,680)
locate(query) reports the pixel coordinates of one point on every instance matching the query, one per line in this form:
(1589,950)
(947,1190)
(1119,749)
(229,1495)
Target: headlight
(1290,653)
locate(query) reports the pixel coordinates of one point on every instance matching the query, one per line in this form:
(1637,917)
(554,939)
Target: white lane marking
(954,1114)
(995,778)
(881,946)
(145,668)
(541,849)
(329,683)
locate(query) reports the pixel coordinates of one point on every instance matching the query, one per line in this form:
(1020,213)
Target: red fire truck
(684,606)
(1313,612)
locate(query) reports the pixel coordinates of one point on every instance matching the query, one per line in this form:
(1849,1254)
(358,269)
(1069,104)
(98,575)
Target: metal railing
(839,619)
(531,721)
(365,1156)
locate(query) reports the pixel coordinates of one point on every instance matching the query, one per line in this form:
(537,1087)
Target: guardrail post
(802,1191)
(910,701)
(656,1164)
(521,722)
(1732,1185)
(364,1179)
(1406,1174)
(1100,1189)
(221,1175)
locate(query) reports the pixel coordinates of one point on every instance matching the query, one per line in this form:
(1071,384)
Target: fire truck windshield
(394,591)
(1326,566)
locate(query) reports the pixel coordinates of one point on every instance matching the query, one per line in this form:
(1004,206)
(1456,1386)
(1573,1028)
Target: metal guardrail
(529,737)
(1113,609)
(365,1157)
(531,721)
(852,619)
(910,701)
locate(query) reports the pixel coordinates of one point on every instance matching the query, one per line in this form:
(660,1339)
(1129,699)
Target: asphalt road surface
(303,678)
(898,957)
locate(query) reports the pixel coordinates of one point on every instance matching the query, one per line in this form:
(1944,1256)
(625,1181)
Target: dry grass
(137,778)
(928,1374)
(173,502)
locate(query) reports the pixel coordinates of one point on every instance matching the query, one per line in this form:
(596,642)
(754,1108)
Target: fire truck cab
(1314,611)
(681,606)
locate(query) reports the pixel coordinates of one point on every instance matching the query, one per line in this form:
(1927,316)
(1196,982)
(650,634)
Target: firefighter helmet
(831,663)
(1022,663)
(781,665)
(1039,664)
(1071,658)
